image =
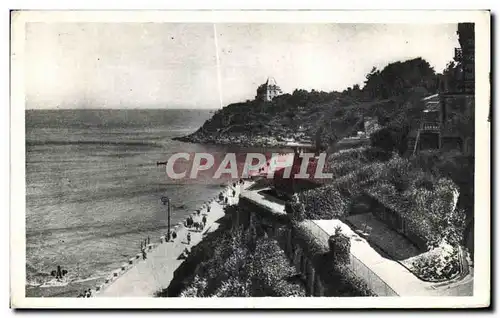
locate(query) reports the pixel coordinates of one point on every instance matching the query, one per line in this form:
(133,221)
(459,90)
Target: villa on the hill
(268,90)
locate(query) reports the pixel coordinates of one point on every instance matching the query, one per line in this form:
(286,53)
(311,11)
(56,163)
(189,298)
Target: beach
(93,190)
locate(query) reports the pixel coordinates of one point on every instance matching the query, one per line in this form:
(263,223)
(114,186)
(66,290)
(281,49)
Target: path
(147,277)
(400,279)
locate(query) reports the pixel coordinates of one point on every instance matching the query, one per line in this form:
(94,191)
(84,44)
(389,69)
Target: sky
(167,65)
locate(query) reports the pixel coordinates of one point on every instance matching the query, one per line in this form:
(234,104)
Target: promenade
(146,277)
(391,272)
(383,274)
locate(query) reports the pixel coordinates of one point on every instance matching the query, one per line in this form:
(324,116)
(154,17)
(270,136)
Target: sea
(93,190)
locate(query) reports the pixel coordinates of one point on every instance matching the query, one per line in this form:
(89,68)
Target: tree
(340,247)
(398,77)
(392,138)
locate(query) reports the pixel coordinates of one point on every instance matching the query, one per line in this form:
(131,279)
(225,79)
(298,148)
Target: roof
(432,97)
(431,106)
(431,103)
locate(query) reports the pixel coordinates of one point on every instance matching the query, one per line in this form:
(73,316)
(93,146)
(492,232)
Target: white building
(268,90)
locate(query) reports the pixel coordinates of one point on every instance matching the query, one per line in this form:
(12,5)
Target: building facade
(447,121)
(268,90)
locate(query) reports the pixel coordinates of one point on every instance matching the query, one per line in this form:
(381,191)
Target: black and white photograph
(250,159)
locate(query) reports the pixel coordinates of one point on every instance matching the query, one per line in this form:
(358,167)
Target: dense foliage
(338,279)
(340,246)
(436,265)
(391,138)
(398,77)
(323,117)
(420,190)
(243,265)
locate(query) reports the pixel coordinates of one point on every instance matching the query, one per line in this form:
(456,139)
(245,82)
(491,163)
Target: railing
(430,126)
(358,268)
(376,284)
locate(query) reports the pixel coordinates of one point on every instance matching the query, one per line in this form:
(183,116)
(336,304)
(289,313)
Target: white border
(482,218)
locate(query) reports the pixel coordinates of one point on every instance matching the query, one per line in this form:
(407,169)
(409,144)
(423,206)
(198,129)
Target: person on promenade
(189,238)
(234,193)
(149,240)
(174,235)
(204,220)
(144,254)
(59,272)
(184,254)
(208,208)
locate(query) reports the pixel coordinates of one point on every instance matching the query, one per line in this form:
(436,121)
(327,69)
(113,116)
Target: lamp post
(166,200)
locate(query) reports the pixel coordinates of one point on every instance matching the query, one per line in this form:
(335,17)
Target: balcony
(458,54)
(430,126)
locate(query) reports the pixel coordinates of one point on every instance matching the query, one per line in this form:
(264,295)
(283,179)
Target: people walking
(174,235)
(144,254)
(189,238)
(204,220)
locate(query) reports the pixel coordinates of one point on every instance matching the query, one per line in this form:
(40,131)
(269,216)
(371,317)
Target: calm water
(93,189)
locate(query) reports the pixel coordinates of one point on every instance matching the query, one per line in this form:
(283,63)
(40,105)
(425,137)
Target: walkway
(401,280)
(147,277)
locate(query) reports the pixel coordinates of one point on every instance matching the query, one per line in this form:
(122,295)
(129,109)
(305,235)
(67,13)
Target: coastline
(161,260)
(241,141)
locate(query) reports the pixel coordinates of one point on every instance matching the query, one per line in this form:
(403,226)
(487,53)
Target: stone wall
(308,261)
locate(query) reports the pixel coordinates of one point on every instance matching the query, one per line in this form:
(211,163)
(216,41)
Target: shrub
(235,270)
(340,247)
(397,172)
(308,241)
(393,138)
(295,209)
(325,203)
(439,264)
(383,139)
(341,282)
(376,154)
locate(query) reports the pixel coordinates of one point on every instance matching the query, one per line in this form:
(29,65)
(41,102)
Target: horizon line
(121,109)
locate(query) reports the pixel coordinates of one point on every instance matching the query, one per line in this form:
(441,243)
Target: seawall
(139,277)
